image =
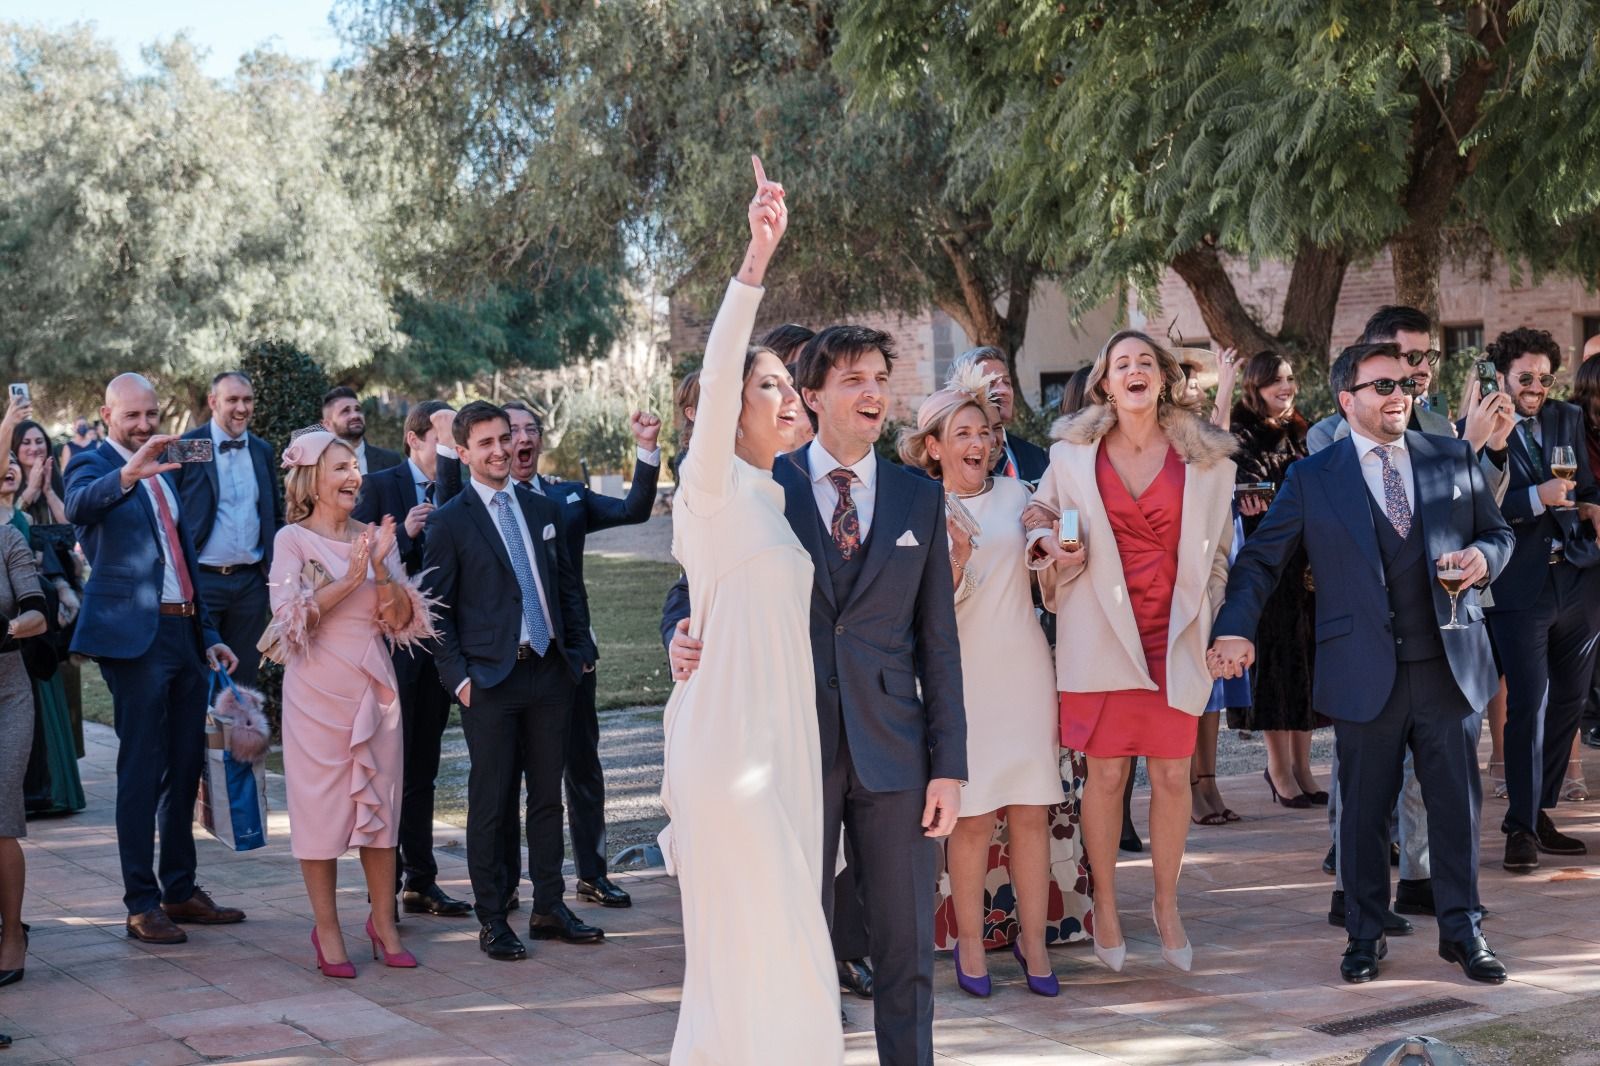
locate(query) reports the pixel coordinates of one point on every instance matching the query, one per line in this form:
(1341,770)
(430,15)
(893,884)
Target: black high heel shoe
(1300,802)
(11,977)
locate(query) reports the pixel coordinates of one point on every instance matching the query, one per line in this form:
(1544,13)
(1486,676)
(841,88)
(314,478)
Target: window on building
(1589,327)
(1460,338)
(1052,383)
(944,347)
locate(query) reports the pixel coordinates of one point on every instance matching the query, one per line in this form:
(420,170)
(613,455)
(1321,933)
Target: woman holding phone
(1272,437)
(1151,483)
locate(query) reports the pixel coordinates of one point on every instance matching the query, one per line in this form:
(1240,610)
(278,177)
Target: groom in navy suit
(882,620)
(143,622)
(1378,513)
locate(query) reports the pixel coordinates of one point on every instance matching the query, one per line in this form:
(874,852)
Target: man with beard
(341,415)
(144,623)
(1546,610)
(236,510)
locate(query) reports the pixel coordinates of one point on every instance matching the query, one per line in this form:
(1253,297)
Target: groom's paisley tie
(846,524)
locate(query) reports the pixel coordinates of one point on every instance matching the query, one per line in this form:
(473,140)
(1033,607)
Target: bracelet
(385,580)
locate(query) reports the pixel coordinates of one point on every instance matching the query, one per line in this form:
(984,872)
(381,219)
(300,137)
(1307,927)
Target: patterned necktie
(427,492)
(532,613)
(846,524)
(1531,443)
(169,529)
(1394,493)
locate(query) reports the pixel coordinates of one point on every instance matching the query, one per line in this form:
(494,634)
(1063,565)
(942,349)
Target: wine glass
(1451,576)
(1564,463)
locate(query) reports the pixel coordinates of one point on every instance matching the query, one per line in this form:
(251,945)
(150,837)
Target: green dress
(55,732)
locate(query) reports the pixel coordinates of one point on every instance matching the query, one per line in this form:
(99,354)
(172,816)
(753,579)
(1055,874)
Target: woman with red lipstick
(1136,589)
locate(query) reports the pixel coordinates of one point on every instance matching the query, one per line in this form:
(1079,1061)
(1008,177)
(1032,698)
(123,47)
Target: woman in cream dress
(743,775)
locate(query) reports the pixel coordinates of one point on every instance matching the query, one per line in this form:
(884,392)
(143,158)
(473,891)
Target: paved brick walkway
(1254,902)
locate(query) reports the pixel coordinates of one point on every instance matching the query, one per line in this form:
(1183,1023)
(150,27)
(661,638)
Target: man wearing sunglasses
(1487,424)
(1546,612)
(1377,513)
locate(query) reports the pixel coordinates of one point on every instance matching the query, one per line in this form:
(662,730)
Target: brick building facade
(1477,301)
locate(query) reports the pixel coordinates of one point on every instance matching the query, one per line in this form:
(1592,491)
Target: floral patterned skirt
(1071,892)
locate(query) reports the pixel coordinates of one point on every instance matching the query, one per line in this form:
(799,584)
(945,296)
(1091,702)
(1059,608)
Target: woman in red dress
(1153,486)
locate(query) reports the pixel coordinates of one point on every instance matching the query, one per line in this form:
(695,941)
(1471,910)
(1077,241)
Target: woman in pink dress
(338,590)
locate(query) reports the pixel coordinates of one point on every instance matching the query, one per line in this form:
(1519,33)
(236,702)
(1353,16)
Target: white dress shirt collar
(1365,444)
(865,469)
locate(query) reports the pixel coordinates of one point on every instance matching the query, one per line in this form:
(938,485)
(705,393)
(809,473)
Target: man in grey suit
(1487,426)
(882,620)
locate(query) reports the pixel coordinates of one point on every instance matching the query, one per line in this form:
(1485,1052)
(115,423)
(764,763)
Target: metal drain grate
(1382,1019)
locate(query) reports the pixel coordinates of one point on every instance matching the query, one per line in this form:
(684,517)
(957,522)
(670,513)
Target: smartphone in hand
(189,451)
(19,392)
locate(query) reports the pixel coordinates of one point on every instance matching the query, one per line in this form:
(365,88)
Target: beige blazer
(1097,641)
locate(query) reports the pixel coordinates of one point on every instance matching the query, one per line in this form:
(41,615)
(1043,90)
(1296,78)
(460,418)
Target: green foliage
(159,222)
(288,385)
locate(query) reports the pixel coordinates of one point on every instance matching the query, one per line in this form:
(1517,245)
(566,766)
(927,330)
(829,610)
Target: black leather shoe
(1553,841)
(855,975)
(432,900)
(603,891)
(1414,897)
(1522,852)
(1393,924)
(1330,862)
(497,941)
(1475,958)
(1360,963)
(1130,839)
(562,924)
(1591,737)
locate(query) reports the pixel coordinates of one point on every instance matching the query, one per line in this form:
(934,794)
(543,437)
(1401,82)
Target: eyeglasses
(1416,358)
(1544,380)
(1386,386)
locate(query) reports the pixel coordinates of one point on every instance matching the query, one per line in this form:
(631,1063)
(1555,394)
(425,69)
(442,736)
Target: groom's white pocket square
(572,497)
(1457,496)
(907,539)
(550,531)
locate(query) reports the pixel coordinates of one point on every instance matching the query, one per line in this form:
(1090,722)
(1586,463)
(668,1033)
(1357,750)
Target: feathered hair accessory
(966,384)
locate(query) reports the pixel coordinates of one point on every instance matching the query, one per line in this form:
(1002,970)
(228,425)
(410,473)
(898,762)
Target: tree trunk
(1312,299)
(1229,322)
(1415,255)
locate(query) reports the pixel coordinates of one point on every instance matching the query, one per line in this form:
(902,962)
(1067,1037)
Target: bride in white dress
(743,780)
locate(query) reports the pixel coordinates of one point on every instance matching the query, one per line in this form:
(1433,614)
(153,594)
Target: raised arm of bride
(707,472)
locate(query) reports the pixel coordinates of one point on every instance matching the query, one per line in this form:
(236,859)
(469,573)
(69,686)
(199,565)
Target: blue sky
(227,28)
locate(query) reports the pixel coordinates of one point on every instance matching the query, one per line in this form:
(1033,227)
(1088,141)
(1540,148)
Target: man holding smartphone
(236,511)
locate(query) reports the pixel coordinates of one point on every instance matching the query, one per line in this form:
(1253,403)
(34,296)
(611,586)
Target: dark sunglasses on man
(1386,386)
(1545,380)
(1416,358)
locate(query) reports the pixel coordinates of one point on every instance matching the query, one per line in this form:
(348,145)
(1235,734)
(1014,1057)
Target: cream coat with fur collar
(1097,640)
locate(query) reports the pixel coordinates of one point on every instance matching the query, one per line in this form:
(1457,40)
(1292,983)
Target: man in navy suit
(235,510)
(341,416)
(882,620)
(1546,610)
(584,511)
(406,493)
(143,621)
(513,642)
(1377,514)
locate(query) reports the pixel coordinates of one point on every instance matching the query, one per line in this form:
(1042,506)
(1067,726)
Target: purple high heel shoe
(1047,985)
(972,986)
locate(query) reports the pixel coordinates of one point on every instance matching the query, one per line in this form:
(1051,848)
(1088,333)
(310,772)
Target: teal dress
(54,735)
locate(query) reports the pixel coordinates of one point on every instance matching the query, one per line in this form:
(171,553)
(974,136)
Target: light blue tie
(532,613)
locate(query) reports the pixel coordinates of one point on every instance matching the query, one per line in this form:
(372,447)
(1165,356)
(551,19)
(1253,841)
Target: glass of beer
(1451,577)
(1564,463)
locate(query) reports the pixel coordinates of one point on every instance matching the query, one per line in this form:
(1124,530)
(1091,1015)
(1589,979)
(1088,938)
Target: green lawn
(625,601)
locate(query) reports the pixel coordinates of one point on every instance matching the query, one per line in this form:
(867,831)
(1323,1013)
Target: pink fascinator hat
(306,448)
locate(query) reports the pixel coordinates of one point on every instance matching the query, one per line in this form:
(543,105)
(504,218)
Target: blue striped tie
(532,613)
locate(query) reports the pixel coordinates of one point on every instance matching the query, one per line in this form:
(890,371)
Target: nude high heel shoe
(1112,957)
(1179,958)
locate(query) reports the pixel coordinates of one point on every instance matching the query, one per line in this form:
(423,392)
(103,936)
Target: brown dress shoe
(202,910)
(154,927)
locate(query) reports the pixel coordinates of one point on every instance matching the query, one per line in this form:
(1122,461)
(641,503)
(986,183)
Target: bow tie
(229,445)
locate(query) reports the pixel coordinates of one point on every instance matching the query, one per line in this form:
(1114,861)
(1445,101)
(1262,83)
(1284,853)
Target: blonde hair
(932,418)
(1173,393)
(300,485)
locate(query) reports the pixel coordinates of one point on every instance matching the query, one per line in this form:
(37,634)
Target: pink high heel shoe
(331,969)
(402,960)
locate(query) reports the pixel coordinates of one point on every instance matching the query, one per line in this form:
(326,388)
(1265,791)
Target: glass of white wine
(1564,463)
(1451,577)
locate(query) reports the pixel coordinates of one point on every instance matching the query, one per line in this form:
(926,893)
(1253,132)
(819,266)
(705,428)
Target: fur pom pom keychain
(243,713)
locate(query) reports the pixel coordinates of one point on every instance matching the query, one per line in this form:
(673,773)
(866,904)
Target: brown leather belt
(178,610)
(1558,557)
(225,571)
(525,651)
